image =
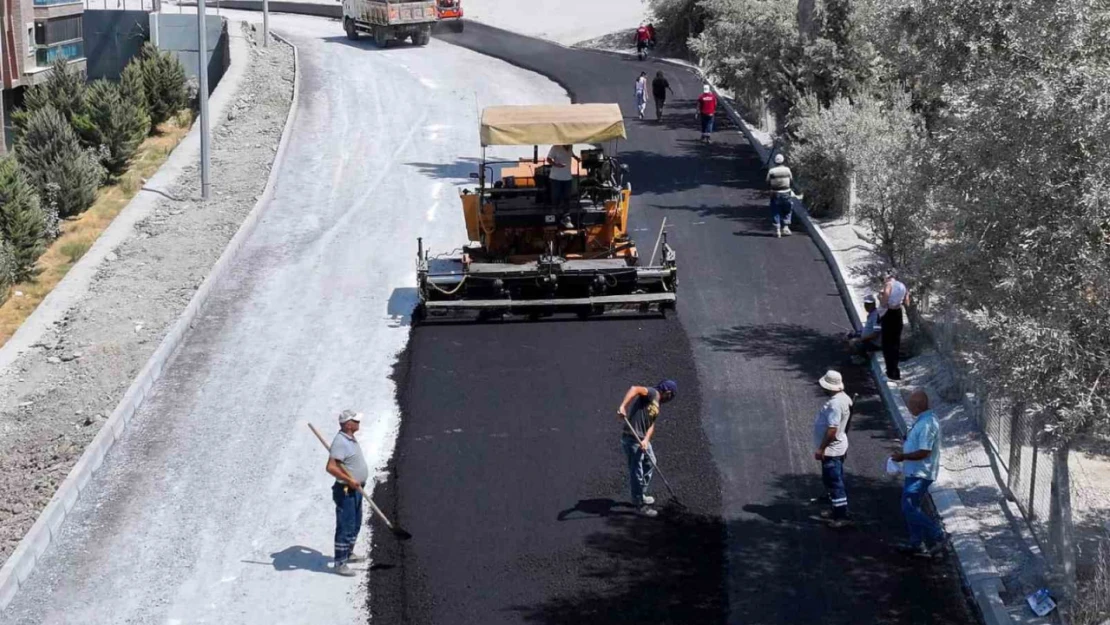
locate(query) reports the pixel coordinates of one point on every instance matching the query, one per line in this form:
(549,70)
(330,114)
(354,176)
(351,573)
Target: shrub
(131,84)
(57,165)
(23,223)
(163,84)
(113,123)
(64,91)
(74,250)
(7,270)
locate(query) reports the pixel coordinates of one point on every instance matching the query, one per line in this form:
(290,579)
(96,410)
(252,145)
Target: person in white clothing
(561,179)
(892,299)
(642,93)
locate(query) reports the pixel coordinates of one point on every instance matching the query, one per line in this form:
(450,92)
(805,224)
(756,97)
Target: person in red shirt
(707,108)
(643,37)
(651,35)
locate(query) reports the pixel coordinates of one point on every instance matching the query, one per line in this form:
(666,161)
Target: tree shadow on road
(786,567)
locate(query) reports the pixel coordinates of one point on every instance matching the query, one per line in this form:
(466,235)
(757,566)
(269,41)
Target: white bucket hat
(832,381)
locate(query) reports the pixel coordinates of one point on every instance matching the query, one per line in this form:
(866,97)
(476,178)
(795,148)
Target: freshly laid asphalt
(508,470)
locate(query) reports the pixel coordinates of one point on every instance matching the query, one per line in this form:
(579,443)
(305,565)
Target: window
(50,32)
(31,39)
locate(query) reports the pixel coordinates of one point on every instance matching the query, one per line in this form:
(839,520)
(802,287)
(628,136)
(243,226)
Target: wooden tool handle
(343,470)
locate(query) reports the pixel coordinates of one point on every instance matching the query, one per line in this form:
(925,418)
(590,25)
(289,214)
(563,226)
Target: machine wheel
(457,26)
(381,37)
(349,27)
(423,36)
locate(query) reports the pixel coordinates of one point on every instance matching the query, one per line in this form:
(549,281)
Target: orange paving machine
(450,12)
(530,254)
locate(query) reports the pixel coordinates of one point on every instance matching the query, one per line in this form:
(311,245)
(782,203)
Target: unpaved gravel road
(214,506)
(49,410)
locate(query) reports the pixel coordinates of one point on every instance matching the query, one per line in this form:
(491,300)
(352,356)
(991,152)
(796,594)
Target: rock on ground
(60,394)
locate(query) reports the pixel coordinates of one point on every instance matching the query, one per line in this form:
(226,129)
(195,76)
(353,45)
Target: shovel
(674,497)
(396,529)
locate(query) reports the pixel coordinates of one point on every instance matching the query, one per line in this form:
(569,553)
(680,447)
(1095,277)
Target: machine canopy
(551,124)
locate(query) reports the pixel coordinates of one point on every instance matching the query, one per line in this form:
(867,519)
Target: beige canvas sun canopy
(551,124)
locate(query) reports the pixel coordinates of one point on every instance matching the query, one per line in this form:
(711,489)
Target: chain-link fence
(1014,438)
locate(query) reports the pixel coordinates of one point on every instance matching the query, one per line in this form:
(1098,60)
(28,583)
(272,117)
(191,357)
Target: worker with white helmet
(780,179)
(707,109)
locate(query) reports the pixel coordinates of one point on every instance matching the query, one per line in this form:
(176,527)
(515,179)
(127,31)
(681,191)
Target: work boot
(567,223)
(356,559)
(648,500)
(648,511)
(786,231)
(345,570)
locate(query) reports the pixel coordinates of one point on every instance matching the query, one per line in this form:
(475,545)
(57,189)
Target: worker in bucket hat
(830,440)
(638,411)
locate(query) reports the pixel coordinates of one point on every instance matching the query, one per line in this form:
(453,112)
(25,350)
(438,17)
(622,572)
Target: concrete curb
(76,282)
(976,568)
(31,548)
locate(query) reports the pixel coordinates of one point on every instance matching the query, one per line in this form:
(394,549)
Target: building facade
(33,34)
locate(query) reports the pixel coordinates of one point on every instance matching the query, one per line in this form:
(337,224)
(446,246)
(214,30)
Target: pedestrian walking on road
(643,40)
(830,440)
(707,109)
(920,458)
(348,466)
(640,408)
(780,179)
(641,93)
(659,88)
(893,297)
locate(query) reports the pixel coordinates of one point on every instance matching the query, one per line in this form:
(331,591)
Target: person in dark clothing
(892,299)
(638,411)
(659,88)
(651,35)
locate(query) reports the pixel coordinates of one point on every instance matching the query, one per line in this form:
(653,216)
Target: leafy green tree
(115,124)
(56,164)
(24,225)
(163,84)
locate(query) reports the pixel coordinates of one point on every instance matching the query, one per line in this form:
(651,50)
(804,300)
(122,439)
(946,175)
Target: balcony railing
(48,3)
(45,55)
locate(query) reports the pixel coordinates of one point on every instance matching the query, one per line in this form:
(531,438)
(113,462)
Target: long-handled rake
(396,529)
(674,498)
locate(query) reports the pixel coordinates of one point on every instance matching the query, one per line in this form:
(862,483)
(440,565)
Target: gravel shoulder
(61,393)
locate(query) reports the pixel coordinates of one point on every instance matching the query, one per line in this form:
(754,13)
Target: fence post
(1060,528)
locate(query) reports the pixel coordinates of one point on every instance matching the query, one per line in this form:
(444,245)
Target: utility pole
(202,95)
(265,23)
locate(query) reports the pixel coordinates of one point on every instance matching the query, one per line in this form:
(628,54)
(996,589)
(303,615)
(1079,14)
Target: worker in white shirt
(892,299)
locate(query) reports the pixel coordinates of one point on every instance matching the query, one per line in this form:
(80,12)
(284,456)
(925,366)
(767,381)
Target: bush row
(72,137)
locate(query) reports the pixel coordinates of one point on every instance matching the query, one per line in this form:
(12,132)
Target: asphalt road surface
(508,469)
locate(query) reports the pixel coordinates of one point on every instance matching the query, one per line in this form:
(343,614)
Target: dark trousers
(348,520)
(832,475)
(892,341)
(561,191)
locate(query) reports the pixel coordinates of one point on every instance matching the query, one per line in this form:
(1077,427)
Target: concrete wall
(177,33)
(112,38)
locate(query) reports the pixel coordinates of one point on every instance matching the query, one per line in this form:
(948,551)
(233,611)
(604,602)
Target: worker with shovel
(638,411)
(348,466)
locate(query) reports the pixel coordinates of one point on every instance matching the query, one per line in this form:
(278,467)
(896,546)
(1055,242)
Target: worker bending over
(639,411)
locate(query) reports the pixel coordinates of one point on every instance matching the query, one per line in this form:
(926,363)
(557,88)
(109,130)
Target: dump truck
(390,20)
(450,13)
(529,255)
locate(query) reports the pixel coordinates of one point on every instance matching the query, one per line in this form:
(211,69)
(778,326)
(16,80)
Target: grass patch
(79,234)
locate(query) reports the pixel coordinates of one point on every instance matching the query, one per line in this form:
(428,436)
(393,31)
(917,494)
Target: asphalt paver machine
(528,255)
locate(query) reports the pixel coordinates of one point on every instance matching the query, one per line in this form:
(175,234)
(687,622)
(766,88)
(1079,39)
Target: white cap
(350,415)
(705,89)
(779,158)
(870,299)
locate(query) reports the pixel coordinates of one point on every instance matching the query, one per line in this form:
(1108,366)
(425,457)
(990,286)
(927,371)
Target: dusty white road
(215,507)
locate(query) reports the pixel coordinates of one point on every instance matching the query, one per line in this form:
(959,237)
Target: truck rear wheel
(349,26)
(422,37)
(381,36)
